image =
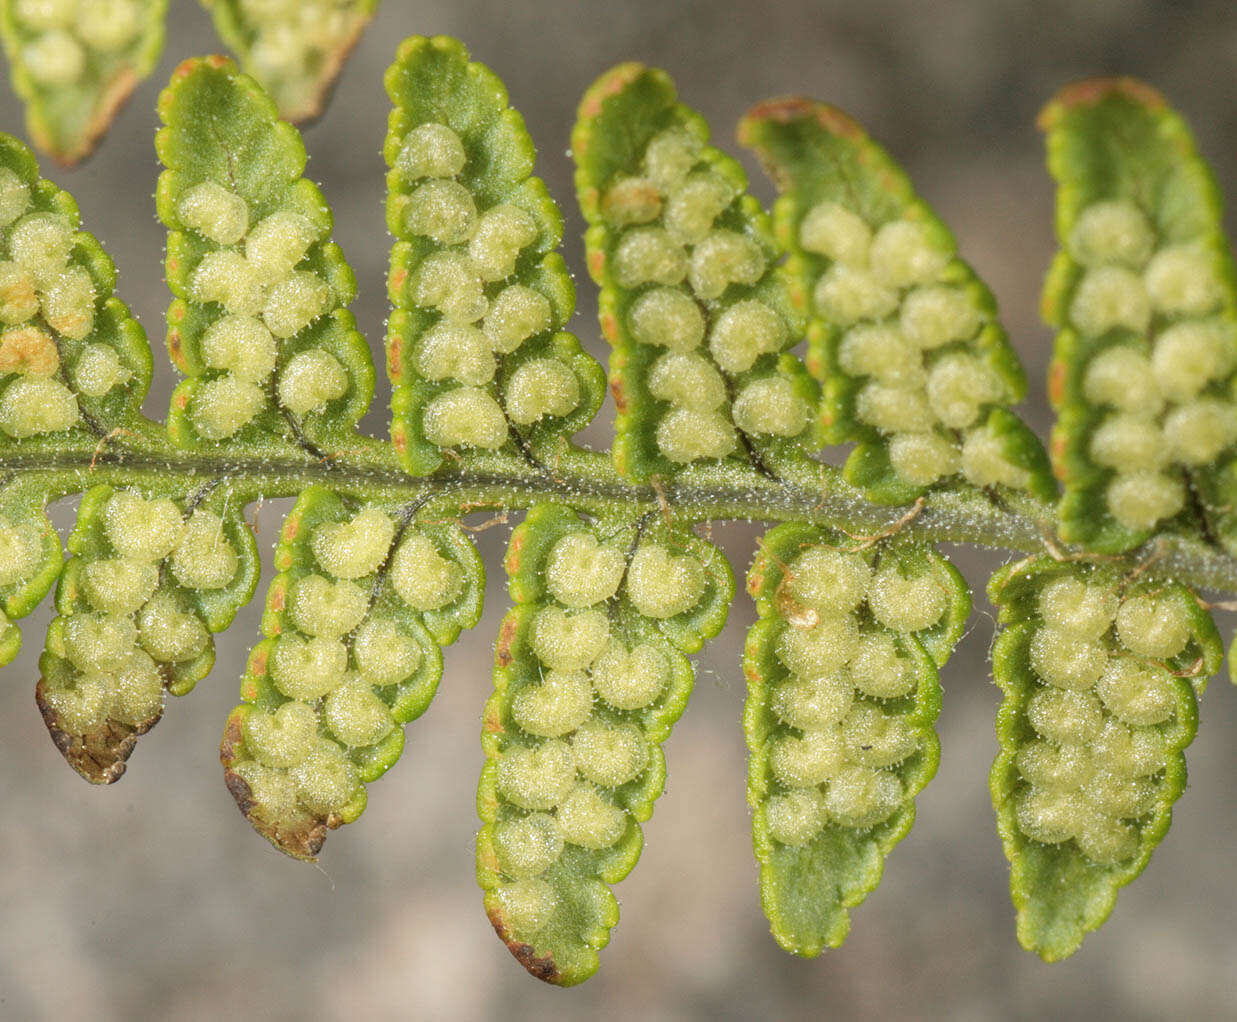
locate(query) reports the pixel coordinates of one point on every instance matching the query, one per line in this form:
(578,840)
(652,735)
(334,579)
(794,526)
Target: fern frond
(1102,651)
(366,596)
(294,48)
(75,364)
(153,573)
(1143,293)
(475,348)
(589,677)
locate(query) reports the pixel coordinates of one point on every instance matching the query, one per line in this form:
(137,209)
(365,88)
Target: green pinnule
(842,696)
(366,596)
(1143,294)
(295,48)
(692,298)
(1100,673)
(75,62)
(259,324)
(589,677)
(153,573)
(916,367)
(73,361)
(30,558)
(477,357)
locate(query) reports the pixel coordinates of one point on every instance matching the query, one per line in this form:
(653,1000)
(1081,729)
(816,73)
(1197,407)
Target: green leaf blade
(692,301)
(904,337)
(480,364)
(589,678)
(366,596)
(842,698)
(154,572)
(296,50)
(258,322)
(74,364)
(1142,369)
(75,69)
(1093,728)
(32,558)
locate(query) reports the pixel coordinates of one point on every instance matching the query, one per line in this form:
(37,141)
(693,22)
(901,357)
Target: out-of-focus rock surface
(153,898)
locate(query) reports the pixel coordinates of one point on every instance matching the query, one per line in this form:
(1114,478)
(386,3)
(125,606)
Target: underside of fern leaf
(1100,675)
(479,363)
(917,369)
(589,677)
(1143,293)
(1103,644)
(75,62)
(842,696)
(692,298)
(294,48)
(154,572)
(259,324)
(364,598)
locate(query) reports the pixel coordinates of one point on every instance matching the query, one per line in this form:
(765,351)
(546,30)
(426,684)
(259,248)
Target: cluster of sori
(478,292)
(293,47)
(258,323)
(670,249)
(691,294)
(909,328)
(364,599)
(63,337)
(590,676)
(264,299)
(1142,292)
(1099,676)
(30,561)
(72,359)
(903,335)
(843,693)
(64,41)
(1159,320)
(75,61)
(150,578)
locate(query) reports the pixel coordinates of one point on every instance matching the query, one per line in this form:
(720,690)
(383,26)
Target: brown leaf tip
(99,756)
(609,84)
(301,837)
(240,791)
(789,109)
(542,967)
(1092,92)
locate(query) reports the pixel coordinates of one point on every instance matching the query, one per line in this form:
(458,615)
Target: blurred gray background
(153,898)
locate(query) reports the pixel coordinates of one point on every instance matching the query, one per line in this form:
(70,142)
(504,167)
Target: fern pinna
(1104,644)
